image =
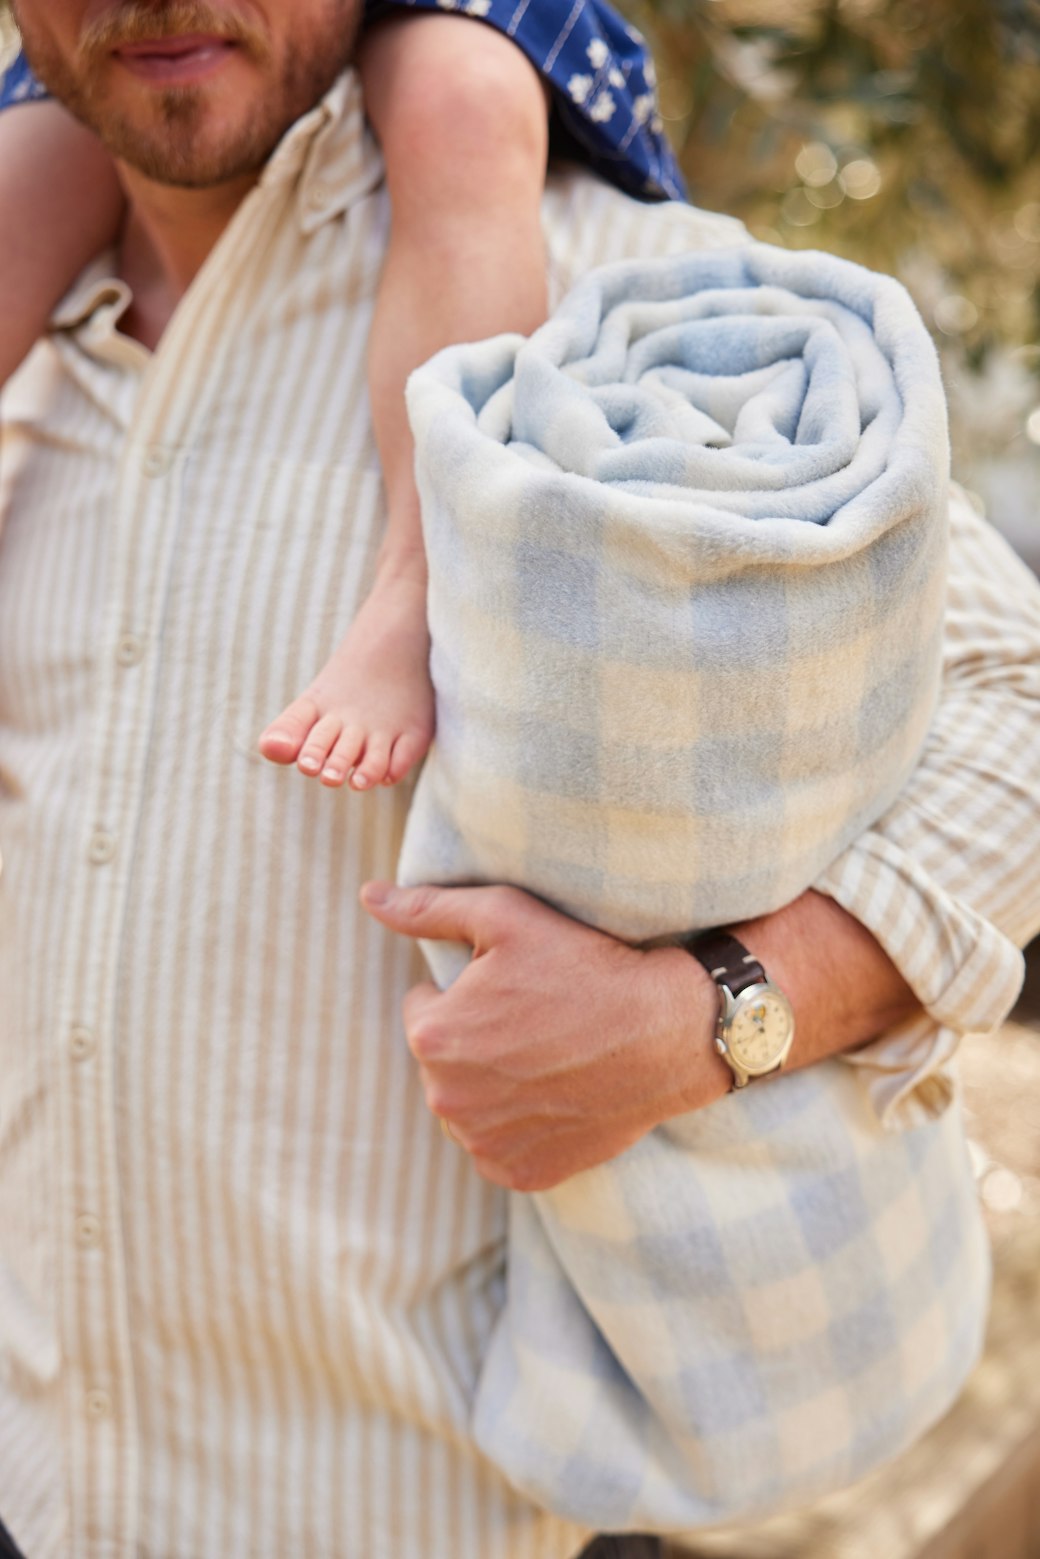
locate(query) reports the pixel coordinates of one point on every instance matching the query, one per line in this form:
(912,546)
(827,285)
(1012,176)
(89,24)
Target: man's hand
(557,1047)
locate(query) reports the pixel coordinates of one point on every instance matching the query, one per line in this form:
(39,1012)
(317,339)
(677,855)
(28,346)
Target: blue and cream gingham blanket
(687,558)
(686,554)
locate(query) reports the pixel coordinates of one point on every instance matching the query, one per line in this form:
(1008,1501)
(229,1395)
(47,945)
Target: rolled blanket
(686,553)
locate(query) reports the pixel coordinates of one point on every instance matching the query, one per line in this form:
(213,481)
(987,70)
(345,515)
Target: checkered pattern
(753,1306)
(687,561)
(687,554)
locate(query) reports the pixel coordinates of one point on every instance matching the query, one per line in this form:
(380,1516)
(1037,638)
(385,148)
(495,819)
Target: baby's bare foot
(368,714)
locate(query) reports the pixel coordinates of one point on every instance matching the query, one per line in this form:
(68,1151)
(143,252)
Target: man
(246,1283)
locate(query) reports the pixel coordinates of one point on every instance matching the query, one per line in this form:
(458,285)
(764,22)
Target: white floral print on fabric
(19,85)
(603,80)
(603,109)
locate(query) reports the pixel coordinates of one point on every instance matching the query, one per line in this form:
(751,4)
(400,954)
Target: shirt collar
(330,153)
(96,288)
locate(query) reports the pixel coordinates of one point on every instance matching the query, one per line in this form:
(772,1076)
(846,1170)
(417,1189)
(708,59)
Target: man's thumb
(440,914)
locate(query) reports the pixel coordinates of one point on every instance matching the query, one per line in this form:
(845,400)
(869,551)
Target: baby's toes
(284,737)
(372,765)
(407,750)
(343,756)
(315,751)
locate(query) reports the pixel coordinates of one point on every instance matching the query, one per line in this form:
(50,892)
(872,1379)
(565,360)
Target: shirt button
(129,650)
(99,1404)
(81,1043)
(156,461)
(88,1231)
(102,848)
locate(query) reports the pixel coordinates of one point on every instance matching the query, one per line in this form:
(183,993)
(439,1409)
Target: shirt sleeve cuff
(964,971)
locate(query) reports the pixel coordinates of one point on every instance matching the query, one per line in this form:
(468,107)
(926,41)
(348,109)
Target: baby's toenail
(360,781)
(312,765)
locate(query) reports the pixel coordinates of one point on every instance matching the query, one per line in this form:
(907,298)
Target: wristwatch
(755,1028)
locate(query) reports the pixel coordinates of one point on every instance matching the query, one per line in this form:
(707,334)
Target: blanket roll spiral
(686,552)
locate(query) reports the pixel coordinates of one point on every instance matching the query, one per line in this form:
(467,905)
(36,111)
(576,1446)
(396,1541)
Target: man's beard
(169,144)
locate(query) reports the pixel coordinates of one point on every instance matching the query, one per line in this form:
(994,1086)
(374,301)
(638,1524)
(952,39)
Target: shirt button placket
(101,849)
(129,650)
(94,1265)
(98,1404)
(156,460)
(88,1231)
(81,1043)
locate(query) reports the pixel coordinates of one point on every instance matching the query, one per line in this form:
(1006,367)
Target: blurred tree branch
(902,133)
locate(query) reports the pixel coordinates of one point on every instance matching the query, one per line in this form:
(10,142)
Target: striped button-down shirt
(245,1283)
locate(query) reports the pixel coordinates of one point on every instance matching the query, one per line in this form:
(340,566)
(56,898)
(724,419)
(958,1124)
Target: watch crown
(720,1045)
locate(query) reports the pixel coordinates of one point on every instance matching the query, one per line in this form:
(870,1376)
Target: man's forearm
(946,879)
(843,987)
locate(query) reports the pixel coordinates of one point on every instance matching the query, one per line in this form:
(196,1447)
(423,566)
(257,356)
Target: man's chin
(228,109)
(159,167)
(183,151)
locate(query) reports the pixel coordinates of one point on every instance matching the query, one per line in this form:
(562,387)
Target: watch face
(760,1028)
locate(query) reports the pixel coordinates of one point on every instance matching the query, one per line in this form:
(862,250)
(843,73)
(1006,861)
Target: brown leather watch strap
(727,961)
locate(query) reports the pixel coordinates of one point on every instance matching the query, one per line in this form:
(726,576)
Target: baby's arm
(463,120)
(59,205)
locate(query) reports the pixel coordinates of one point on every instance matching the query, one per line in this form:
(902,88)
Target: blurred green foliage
(902,133)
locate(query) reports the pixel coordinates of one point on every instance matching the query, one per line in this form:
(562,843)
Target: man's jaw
(193,94)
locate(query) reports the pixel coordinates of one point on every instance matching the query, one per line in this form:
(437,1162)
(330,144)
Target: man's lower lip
(180,66)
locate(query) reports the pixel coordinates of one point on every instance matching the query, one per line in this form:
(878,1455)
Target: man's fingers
(420,1027)
(473,915)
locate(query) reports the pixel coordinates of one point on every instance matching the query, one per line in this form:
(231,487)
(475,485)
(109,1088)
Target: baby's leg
(60,204)
(463,122)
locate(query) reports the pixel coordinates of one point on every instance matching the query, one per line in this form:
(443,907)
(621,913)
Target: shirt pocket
(313,535)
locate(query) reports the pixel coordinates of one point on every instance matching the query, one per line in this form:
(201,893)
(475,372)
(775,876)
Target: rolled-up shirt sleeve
(947,880)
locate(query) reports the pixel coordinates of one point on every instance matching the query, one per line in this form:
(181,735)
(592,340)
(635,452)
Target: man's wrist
(842,987)
(688,1003)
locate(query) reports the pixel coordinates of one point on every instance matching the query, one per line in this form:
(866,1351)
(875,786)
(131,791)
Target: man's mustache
(139,21)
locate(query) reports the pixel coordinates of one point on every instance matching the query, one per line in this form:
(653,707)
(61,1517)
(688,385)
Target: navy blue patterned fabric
(19,85)
(599,68)
(603,81)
